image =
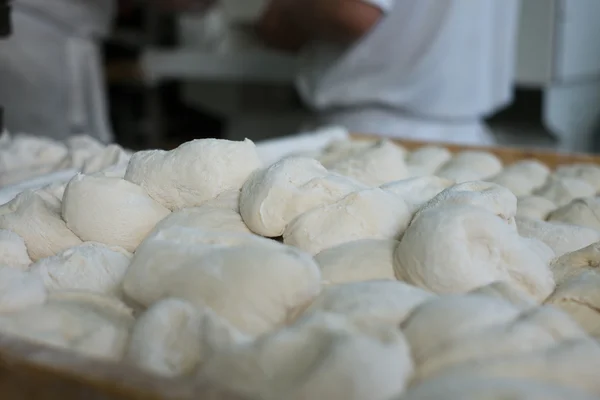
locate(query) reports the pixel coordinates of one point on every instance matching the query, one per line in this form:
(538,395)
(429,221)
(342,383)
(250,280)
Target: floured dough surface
(19,290)
(589,173)
(505,291)
(194,172)
(111,211)
(205,217)
(357,261)
(561,191)
(427,160)
(582,212)
(534,207)
(523,177)
(13,251)
(366,214)
(418,191)
(576,262)
(470,166)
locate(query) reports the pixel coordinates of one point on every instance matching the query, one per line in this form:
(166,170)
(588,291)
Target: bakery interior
(207,242)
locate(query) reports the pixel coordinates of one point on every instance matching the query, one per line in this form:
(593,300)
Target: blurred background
(189,73)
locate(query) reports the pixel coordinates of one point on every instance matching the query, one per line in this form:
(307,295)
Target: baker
(415,69)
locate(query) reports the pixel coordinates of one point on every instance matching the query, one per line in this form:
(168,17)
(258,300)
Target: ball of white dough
(366,214)
(39,224)
(205,217)
(381,163)
(576,262)
(562,191)
(274,196)
(582,212)
(470,166)
(13,252)
(357,261)
(523,177)
(589,173)
(534,207)
(455,249)
(90,267)
(418,191)
(19,290)
(111,211)
(427,160)
(194,172)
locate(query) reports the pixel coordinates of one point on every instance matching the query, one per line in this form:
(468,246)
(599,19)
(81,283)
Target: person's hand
(187,5)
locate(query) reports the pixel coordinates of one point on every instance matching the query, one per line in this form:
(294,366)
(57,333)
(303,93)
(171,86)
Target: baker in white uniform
(416,69)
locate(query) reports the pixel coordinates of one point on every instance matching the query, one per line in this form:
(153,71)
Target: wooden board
(32,372)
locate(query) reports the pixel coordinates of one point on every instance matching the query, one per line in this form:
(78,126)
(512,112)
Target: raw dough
(437,322)
(386,302)
(487,195)
(586,172)
(19,290)
(342,149)
(465,387)
(455,249)
(56,190)
(166,339)
(366,214)
(81,148)
(427,160)
(360,260)
(229,199)
(534,207)
(582,212)
(39,224)
(570,264)
(523,177)
(106,162)
(274,196)
(13,252)
(194,172)
(561,238)
(166,250)
(71,324)
(561,191)
(254,284)
(579,296)
(205,217)
(90,266)
(322,357)
(470,166)
(418,191)
(381,163)
(506,291)
(111,211)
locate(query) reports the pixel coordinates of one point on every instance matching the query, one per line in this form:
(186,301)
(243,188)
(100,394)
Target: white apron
(51,80)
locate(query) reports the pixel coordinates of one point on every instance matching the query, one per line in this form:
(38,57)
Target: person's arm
(343,21)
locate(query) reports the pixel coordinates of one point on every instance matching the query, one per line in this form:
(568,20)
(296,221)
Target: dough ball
(274,196)
(427,160)
(571,264)
(90,266)
(468,388)
(589,173)
(386,302)
(470,166)
(506,291)
(322,357)
(254,287)
(437,322)
(562,191)
(571,364)
(561,238)
(254,284)
(366,214)
(229,199)
(582,212)
(72,325)
(523,177)
(534,207)
(106,305)
(579,296)
(111,211)
(494,198)
(357,261)
(205,217)
(418,191)
(13,252)
(194,172)
(381,163)
(166,250)
(166,339)
(342,149)
(39,224)
(19,290)
(107,162)
(455,249)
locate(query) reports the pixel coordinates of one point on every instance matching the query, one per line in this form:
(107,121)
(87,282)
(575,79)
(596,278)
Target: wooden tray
(33,372)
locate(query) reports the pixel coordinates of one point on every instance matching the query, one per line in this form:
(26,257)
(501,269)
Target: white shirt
(427,65)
